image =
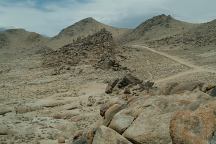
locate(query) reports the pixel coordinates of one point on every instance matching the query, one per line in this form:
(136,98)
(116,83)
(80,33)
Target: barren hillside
(158,27)
(202,35)
(82,29)
(22,38)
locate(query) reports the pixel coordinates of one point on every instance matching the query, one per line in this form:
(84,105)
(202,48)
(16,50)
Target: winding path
(194,68)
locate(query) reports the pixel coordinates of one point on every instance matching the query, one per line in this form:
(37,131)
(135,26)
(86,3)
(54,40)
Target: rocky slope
(203,35)
(98,50)
(185,114)
(82,29)
(19,43)
(156,28)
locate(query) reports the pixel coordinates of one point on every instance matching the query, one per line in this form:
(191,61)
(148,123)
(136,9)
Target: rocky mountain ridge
(202,35)
(156,28)
(98,50)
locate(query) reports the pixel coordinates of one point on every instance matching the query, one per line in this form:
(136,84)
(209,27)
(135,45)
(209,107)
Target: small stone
(78,134)
(213,92)
(111,85)
(3,130)
(61,139)
(82,140)
(4,111)
(91,101)
(103,109)
(127,90)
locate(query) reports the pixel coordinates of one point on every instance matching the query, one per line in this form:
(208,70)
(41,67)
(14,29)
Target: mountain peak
(164,16)
(89,19)
(158,27)
(160,19)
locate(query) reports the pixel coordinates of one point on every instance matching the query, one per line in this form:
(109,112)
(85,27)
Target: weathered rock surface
(121,121)
(111,112)
(97,50)
(175,88)
(213,92)
(127,84)
(4,130)
(194,127)
(4,110)
(127,80)
(147,119)
(111,85)
(105,135)
(61,139)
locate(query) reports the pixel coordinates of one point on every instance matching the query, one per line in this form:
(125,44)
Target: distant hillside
(2,29)
(16,38)
(156,28)
(83,28)
(203,35)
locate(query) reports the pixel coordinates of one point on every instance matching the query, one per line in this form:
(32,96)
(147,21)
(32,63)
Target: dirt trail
(194,68)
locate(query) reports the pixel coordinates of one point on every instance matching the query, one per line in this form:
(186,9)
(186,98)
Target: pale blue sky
(50,16)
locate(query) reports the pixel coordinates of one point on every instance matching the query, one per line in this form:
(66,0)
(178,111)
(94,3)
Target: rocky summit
(98,50)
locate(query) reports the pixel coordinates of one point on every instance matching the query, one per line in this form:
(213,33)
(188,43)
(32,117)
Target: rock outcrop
(184,114)
(194,127)
(105,135)
(97,50)
(129,84)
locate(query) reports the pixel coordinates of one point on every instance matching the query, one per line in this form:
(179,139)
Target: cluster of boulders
(128,84)
(98,50)
(185,113)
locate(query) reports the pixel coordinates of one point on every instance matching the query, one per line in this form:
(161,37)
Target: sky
(49,17)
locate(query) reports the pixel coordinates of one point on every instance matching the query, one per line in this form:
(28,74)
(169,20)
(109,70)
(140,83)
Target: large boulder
(111,112)
(177,88)
(105,135)
(121,121)
(129,84)
(184,116)
(150,127)
(154,114)
(127,80)
(82,137)
(194,127)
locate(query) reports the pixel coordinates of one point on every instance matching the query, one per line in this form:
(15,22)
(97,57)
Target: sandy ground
(37,106)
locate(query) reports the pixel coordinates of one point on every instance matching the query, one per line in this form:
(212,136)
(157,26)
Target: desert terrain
(96,84)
